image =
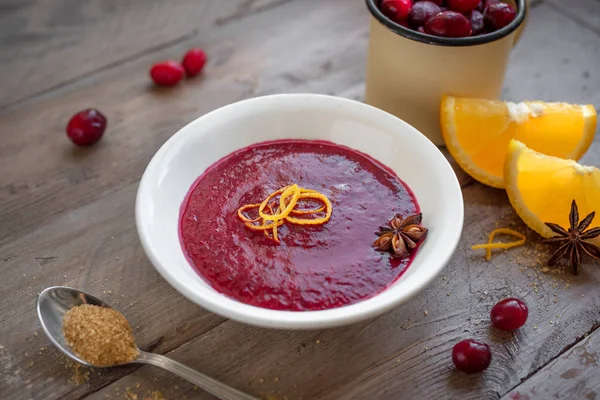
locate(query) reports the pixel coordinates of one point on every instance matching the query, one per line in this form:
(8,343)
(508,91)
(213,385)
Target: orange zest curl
(490,245)
(271,215)
(247,207)
(316,221)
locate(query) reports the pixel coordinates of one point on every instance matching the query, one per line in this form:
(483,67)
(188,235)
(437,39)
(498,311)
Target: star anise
(401,235)
(574,240)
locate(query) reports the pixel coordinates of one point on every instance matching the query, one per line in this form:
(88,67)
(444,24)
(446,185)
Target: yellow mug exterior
(407,77)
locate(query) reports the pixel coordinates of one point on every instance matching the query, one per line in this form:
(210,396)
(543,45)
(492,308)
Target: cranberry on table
(462,6)
(167,73)
(497,16)
(448,24)
(477,25)
(509,314)
(396,10)
(86,127)
(471,356)
(193,61)
(421,12)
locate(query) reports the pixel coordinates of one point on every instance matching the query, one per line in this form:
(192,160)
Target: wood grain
(66,215)
(100,254)
(49,44)
(574,375)
(406,353)
(584,12)
(87,195)
(554,67)
(138,123)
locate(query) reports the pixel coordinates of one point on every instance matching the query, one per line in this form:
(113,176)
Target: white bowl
(388,139)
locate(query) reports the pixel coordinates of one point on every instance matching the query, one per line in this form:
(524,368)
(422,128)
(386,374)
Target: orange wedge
(477,132)
(541,188)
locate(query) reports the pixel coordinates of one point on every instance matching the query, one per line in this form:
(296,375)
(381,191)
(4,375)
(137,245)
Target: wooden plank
(396,357)
(69,205)
(47,44)
(405,353)
(574,375)
(64,178)
(584,12)
(94,248)
(83,199)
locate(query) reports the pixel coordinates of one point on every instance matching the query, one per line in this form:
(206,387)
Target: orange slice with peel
(541,188)
(477,132)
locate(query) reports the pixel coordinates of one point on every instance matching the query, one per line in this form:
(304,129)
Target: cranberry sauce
(314,267)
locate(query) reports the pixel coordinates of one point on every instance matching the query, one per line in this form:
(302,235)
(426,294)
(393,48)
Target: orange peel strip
(275,233)
(263,226)
(306,212)
(245,208)
(309,194)
(293,191)
(275,225)
(316,221)
(271,219)
(503,231)
(302,191)
(271,197)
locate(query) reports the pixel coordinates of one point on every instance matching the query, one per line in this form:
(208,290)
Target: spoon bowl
(52,304)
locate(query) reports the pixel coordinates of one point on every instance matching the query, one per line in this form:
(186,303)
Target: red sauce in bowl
(314,267)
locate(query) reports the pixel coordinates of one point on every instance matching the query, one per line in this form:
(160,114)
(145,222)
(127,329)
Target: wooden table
(66,214)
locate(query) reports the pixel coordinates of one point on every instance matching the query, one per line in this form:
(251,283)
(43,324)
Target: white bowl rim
(268,318)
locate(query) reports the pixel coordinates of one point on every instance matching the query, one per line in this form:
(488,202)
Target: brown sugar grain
(101,336)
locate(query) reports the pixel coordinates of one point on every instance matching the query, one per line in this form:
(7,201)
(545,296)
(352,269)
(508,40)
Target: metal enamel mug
(408,72)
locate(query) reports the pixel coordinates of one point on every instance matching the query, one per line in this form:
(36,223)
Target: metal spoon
(55,301)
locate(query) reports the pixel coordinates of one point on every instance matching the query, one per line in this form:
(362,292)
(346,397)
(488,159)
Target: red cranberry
(396,10)
(448,24)
(436,2)
(471,356)
(476,19)
(422,12)
(86,127)
(421,29)
(486,3)
(167,73)
(194,61)
(509,314)
(497,16)
(463,6)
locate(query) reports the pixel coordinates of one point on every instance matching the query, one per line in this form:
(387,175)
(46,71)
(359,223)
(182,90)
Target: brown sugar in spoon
(66,314)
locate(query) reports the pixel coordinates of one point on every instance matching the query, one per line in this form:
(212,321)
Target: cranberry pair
(169,73)
(471,356)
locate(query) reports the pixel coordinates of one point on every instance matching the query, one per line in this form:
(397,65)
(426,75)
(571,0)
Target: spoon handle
(212,386)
